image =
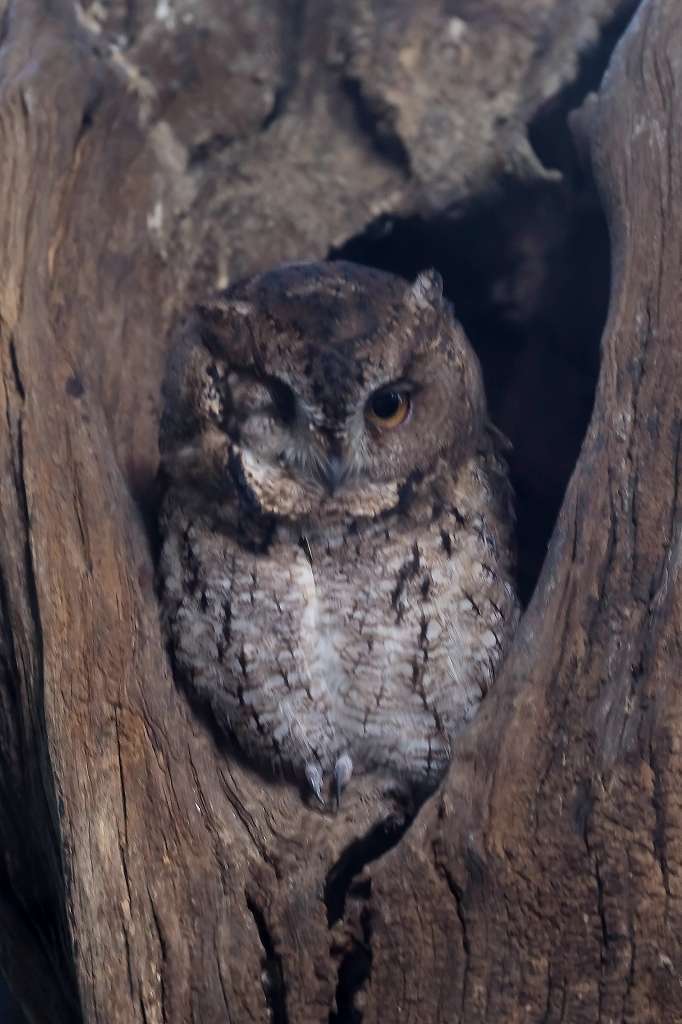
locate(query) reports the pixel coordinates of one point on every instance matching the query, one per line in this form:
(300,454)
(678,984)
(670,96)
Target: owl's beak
(335,473)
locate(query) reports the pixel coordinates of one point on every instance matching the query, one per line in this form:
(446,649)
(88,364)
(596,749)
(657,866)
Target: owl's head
(320,390)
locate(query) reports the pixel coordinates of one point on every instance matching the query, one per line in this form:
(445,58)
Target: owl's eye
(388,408)
(283,399)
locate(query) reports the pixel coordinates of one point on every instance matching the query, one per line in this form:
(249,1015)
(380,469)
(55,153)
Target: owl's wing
(242,629)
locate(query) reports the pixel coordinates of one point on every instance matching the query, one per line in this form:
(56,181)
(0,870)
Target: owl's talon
(313,774)
(343,769)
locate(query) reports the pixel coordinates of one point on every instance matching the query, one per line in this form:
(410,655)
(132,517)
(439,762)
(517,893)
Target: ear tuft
(427,290)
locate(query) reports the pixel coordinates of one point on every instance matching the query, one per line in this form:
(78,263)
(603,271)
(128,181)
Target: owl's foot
(343,769)
(313,774)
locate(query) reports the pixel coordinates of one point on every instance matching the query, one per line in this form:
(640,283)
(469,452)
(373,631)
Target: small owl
(337,555)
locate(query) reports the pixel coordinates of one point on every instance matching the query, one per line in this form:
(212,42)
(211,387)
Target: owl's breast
(409,629)
(378,640)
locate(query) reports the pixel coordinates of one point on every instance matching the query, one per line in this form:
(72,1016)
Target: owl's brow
(338,352)
(347,359)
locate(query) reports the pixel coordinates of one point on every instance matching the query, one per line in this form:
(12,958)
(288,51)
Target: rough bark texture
(150,151)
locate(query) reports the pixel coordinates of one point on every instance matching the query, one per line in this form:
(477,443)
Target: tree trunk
(151,152)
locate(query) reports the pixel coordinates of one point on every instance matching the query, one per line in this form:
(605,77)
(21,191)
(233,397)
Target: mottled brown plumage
(336,561)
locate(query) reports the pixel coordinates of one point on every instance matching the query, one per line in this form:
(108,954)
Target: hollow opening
(528,273)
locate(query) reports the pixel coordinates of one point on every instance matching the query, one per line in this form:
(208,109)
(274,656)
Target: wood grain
(144,875)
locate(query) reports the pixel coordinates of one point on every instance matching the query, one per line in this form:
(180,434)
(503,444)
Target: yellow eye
(388,408)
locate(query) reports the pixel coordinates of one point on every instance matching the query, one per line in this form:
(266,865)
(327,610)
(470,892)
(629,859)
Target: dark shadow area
(528,274)
(9,1011)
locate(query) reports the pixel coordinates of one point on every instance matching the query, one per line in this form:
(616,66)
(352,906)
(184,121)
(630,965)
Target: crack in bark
(223,989)
(375,123)
(18,383)
(355,965)
(248,822)
(630,980)
(4,24)
(457,894)
(129,964)
(601,908)
(142,1010)
(164,957)
(357,855)
(293,25)
(659,833)
(122,847)
(355,968)
(274,988)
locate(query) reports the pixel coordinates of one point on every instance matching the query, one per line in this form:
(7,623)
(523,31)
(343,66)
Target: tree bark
(150,152)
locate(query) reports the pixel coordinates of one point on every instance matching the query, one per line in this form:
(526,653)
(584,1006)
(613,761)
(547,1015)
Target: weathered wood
(144,874)
(555,845)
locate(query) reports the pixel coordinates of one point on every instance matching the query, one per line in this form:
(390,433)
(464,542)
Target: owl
(337,556)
